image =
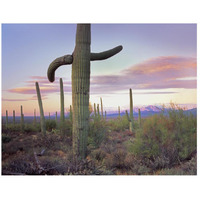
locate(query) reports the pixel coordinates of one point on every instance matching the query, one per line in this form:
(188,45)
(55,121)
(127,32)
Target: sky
(158,62)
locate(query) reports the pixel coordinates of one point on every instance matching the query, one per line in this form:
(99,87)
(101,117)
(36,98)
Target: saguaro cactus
(56,117)
(80,60)
(62,113)
(34,120)
(70,114)
(22,119)
(13,117)
(42,119)
(119,112)
(95,111)
(6,119)
(139,118)
(131,111)
(101,108)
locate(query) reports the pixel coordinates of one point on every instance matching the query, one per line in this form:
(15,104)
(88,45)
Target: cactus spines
(22,119)
(131,111)
(13,117)
(80,60)
(101,108)
(42,119)
(139,118)
(6,119)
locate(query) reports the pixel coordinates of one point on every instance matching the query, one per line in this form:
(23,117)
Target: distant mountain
(148,111)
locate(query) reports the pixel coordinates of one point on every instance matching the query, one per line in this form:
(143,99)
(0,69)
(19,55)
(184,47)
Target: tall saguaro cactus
(6,119)
(62,113)
(101,108)
(13,117)
(22,119)
(42,119)
(80,60)
(131,111)
(139,118)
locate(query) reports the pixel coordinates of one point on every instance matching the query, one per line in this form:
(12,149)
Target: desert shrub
(50,124)
(66,127)
(31,128)
(119,124)
(116,159)
(97,132)
(98,155)
(5,138)
(166,139)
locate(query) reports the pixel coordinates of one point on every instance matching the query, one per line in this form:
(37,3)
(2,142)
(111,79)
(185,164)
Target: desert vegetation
(162,144)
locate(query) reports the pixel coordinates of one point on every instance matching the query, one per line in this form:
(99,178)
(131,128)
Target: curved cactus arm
(64,60)
(105,54)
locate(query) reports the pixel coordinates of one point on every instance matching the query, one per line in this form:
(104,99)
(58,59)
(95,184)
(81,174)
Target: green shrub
(50,124)
(166,139)
(119,124)
(97,132)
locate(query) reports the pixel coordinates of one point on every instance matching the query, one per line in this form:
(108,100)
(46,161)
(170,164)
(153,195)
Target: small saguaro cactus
(105,115)
(13,117)
(119,112)
(34,120)
(80,60)
(62,113)
(56,117)
(6,119)
(139,118)
(98,112)
(131,111)
(101,108)
(42,119)
(95,111)
(22,119)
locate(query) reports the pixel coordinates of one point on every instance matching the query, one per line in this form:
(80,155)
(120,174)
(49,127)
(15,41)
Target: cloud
(156,73)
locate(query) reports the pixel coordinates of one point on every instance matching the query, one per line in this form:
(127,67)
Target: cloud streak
(164,72)
(156,73)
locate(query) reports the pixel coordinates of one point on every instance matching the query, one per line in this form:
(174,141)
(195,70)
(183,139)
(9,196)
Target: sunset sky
(158,62)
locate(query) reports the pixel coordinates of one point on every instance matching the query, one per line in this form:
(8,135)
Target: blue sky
(28,49)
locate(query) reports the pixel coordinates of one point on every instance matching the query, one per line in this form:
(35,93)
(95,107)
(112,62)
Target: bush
(119,124)
(97,132)
(166,139)
(5,138)
(50,124)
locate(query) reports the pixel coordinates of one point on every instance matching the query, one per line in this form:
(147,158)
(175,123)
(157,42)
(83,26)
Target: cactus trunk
(101,108)
(6,119)
(131,111)
(62,113)
(42,119)
(70,114)
(98,112)
(13,117)
(34,120)
(95,110)
(119,112)
(80,90)
(56,117)
(80,60)
(139,118)
(22,119)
